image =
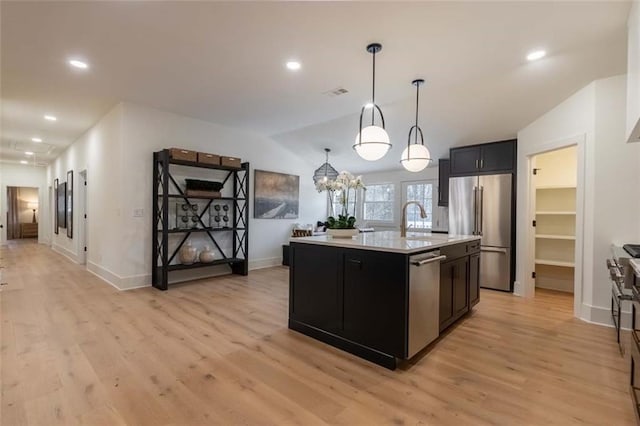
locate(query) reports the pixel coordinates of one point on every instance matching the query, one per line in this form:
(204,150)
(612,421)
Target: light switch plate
(138,212)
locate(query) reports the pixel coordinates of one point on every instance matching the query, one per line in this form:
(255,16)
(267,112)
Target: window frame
(393,203)
(434,202)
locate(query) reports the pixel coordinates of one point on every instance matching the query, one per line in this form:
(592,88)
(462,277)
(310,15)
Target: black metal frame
(165,187)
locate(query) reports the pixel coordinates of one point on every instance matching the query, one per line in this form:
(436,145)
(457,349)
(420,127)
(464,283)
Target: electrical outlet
(138,212)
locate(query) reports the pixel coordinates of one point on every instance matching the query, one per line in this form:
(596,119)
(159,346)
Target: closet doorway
(22,212)
(554,183)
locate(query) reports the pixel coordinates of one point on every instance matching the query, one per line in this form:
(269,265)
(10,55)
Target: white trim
(526,284)
(602,316)
(267,262)
(65,252)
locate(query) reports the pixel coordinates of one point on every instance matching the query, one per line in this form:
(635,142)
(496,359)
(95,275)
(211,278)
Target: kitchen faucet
(403,224)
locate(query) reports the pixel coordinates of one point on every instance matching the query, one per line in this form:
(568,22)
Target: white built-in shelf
(554,263)
(558,213)
(555,237)
(556,187)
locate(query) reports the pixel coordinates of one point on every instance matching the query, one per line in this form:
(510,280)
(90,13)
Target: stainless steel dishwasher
(424,300)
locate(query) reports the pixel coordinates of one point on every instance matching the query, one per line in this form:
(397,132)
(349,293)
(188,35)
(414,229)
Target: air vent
(336,92)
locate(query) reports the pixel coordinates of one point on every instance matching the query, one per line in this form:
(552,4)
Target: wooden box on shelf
(230,161)
(202,194)
(183,154)
(205,158)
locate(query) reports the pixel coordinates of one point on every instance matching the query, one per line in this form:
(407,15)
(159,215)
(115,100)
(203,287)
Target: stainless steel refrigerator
(481,205)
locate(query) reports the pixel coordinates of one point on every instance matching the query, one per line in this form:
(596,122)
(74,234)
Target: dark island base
(384,360)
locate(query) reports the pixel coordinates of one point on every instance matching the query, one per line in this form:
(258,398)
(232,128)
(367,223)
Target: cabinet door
(446,294)
(498,156)
(315,290)
(474,279)
(460,287)
(443,182)
(464,161)
(375,285)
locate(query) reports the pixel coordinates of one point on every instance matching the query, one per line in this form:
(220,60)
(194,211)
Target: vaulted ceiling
(224,62)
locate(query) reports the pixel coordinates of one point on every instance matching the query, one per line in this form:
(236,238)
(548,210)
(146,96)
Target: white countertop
(390,241)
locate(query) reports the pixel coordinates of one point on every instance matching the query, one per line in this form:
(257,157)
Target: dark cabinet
(454,291)
(483,159)
(374,300)
(474,279)
(443,182)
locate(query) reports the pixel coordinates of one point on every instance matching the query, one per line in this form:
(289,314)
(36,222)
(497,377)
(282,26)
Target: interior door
(495,210)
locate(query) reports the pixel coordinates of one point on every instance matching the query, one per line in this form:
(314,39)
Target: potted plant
(346,186)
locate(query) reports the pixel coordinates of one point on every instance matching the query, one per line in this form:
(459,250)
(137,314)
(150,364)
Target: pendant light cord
(417,97)
(373,90)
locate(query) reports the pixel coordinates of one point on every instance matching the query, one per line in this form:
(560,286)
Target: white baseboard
(66,253)
(602,316)
(264,263)
(121,283)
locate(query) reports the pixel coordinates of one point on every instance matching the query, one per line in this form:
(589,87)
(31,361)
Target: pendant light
(416,156)
(325,172)
(372,142)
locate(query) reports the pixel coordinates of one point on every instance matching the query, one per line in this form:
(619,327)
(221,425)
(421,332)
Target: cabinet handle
(355,262)
(477,163)
(482,163)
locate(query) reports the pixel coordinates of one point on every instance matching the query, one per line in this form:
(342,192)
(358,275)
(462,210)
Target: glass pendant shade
(374,143)
(415,157)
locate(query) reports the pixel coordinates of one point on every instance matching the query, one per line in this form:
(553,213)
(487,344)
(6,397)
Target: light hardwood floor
(218,351)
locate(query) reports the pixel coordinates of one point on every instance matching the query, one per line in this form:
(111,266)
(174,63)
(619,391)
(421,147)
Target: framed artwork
(276,195)
(69,210)
(61,205)
(55,212)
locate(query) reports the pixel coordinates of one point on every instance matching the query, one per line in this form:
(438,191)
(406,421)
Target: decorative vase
(188,254)
(342,233)
(207,255)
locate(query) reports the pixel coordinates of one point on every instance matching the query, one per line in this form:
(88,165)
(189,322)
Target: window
(421,192)
(337,204)
(378,202)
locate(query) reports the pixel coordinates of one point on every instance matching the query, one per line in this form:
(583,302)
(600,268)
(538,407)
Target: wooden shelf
(555,263)
(177,231)
(203,198)
(207,166)
(555,237)
(556,187)
(557,213)
(180,267)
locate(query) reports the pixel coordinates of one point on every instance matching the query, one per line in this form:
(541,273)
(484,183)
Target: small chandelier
(416,156)
(372,142)
(325,172)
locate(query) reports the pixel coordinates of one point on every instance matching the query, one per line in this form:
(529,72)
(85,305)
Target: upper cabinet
(443,182)
(633,74)
(483,159)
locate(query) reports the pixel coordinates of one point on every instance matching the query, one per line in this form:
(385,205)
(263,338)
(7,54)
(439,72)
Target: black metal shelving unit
(165,188)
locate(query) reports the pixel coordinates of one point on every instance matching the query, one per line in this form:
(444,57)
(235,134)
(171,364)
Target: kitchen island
(381,296)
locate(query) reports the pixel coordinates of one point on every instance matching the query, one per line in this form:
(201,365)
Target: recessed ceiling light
(28,153)
(37,140)
(536,54)
(294,65)
(24,162)
(50,117)
(78,64)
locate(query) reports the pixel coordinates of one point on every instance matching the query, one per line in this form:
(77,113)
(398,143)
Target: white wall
(596,116)
(117,154)
(25,176)
(633,68)
(397,177)
(557,168)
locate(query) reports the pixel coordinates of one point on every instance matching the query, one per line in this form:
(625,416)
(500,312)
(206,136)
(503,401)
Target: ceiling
(224,63)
